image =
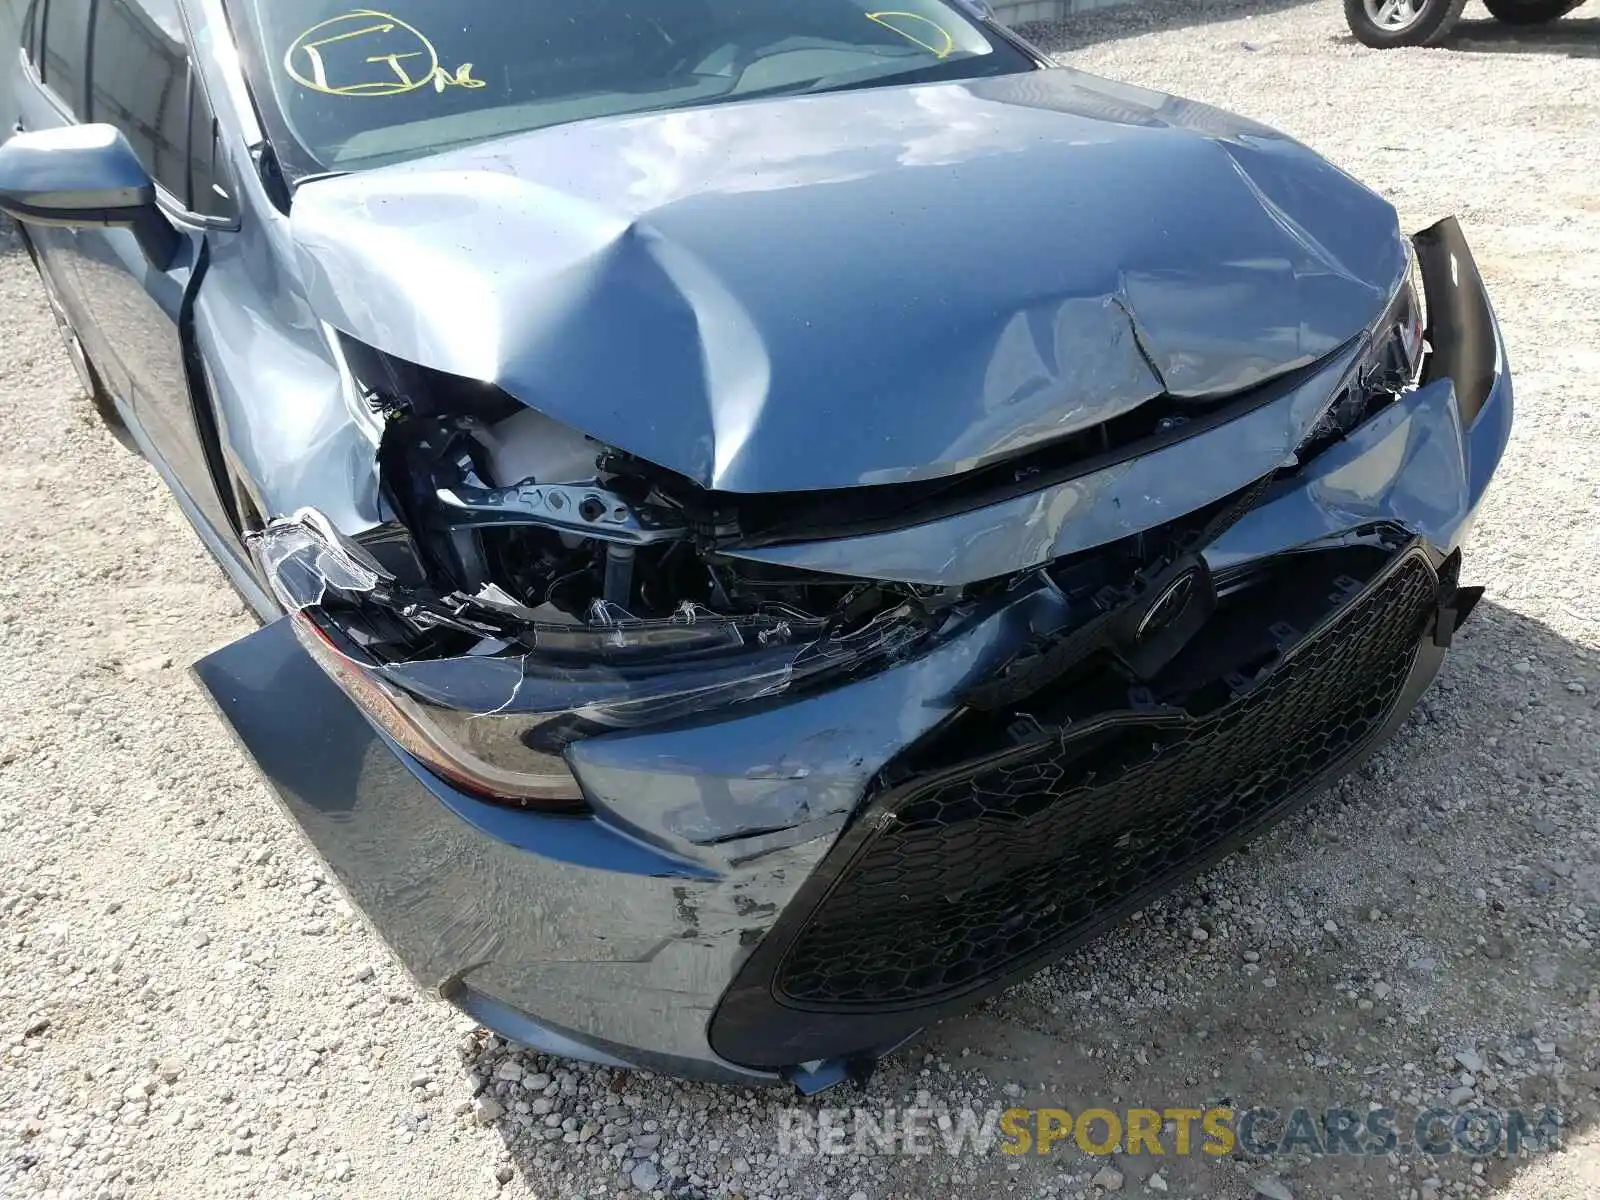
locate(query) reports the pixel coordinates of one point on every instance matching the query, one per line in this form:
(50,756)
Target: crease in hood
(866,287)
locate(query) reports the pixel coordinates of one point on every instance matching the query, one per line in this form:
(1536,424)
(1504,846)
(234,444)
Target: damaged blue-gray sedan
(771,521)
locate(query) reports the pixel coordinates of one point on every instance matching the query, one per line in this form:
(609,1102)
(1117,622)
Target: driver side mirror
(84,175)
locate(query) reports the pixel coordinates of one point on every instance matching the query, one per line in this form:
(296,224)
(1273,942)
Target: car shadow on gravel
(1430,914)
(1571,37)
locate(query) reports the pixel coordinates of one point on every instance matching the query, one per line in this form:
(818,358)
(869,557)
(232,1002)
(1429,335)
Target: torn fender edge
(1426,460)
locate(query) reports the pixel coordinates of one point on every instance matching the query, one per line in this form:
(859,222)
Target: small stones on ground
(486,1110)
(1270,1187)
(1157,1183)
(1107,1179)
(645,1177)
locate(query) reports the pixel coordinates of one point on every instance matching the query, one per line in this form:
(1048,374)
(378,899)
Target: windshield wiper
(799,86)
(968,67)
(974,66)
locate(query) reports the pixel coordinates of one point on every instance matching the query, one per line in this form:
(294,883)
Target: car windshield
(360,87)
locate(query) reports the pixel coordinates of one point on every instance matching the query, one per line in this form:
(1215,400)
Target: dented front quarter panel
(291,425)
(1425,461)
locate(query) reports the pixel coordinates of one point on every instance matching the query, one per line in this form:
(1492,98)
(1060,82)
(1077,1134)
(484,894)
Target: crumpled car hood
(864,287)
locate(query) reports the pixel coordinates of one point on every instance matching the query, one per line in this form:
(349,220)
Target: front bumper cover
(615,937)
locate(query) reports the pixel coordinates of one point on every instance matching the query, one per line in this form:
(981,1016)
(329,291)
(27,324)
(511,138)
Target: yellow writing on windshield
(917,29)
(370,53)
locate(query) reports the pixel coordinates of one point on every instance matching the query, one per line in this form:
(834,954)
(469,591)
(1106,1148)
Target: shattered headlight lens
(1390,364)
(1407,316)
(497,719)
(309,565)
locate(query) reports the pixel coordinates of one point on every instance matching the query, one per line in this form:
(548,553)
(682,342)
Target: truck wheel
(1529,12)
(1385,24)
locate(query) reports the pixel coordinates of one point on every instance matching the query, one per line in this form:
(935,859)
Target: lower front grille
(969,873)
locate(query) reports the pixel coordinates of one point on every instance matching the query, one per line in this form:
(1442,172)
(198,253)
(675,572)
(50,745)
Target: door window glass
(141,85)
(66,50)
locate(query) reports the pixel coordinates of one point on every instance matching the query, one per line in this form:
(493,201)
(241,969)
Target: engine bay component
(587,511)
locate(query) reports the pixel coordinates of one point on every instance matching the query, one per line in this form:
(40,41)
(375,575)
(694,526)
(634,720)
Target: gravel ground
(187,1008)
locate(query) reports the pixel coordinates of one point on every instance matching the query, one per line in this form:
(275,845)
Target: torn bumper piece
(719,907)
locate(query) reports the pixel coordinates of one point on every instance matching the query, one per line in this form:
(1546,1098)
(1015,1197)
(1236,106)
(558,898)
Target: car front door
(50,90)
(126,63)
(140,81)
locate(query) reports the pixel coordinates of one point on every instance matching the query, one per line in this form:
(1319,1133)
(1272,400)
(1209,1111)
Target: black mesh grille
(973,870)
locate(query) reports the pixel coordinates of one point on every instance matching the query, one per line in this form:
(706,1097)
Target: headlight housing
(1407,314)
(481,764)
(1390,364)
(496,721)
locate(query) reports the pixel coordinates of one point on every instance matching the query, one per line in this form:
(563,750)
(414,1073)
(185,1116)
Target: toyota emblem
(1168,607)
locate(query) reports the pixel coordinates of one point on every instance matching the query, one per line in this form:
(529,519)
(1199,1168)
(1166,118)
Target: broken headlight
(1389,366)
(537,587)
(488,694)
(489,761)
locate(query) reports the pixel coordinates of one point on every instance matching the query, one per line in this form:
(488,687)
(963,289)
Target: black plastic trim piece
(1460,323)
